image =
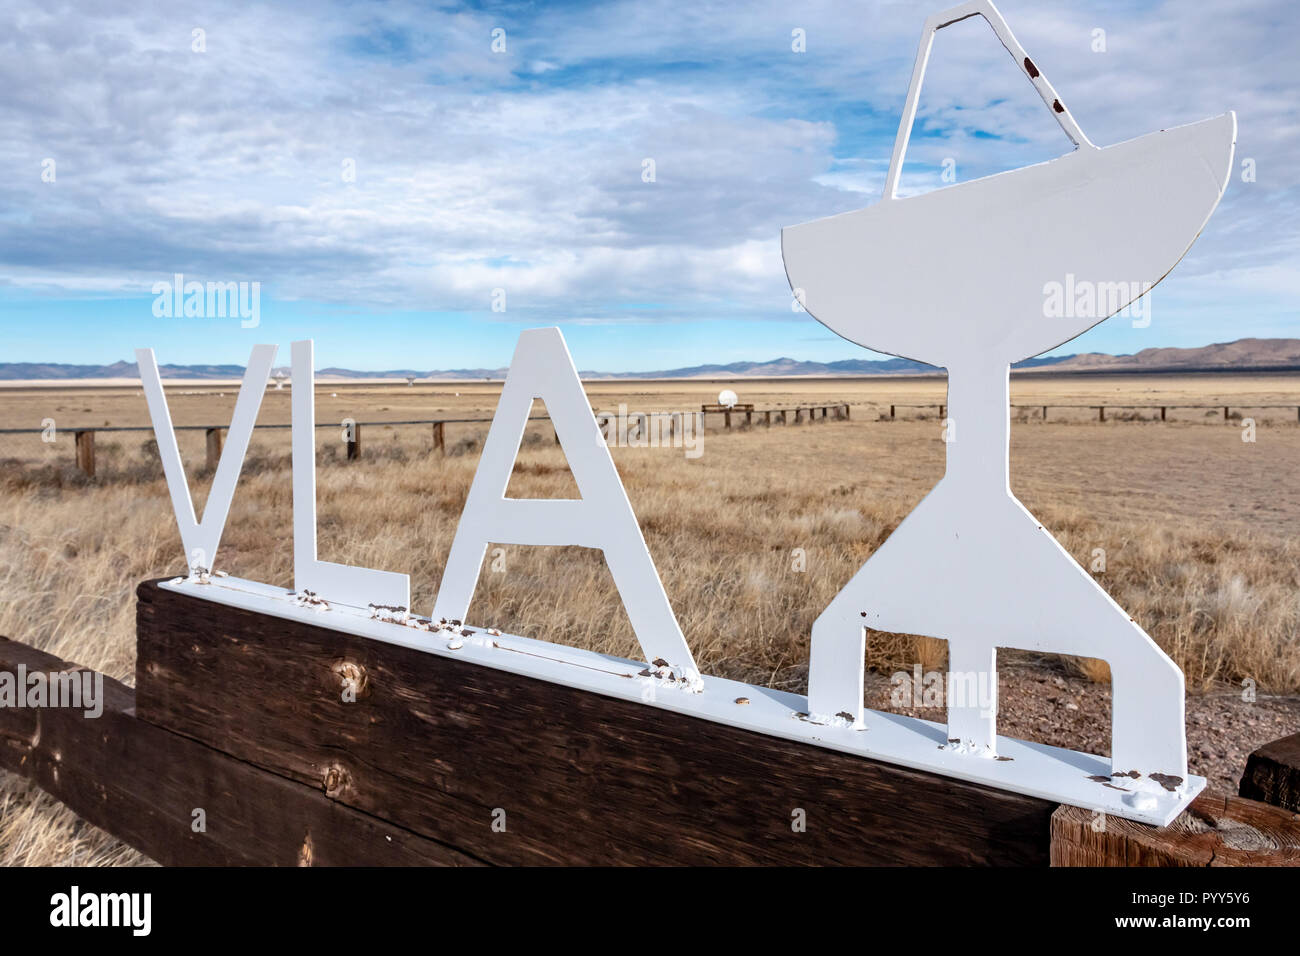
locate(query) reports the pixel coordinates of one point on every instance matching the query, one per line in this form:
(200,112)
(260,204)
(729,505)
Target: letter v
(602,518)
(200,539)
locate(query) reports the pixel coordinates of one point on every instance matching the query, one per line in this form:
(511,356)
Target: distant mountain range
(1243,354)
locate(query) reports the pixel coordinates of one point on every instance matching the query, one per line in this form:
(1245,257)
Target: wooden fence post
(941,410)
(1044,413)
(1162,412)
(1216,830)
(767,417)
(1225,413)
(1273,774)
(1101,413)
(726,419)
(847,411)
(86,451)
(215,439)
(353,442)
(439,438)
(891,413)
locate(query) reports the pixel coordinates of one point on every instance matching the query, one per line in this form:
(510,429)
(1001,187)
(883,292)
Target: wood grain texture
(1273,774)
(439,745)
(1215,830)
(142,784)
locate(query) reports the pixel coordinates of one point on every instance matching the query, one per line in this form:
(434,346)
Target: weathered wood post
(352,439)
(847,411)
(86,451)
(942,408)
(749,416)
(439,438)
(891,413)
(1225,413)
(1162,413)
(1101,413)
(1044,413)
(726,419)
(1273,774)
(767,417)
(215,439)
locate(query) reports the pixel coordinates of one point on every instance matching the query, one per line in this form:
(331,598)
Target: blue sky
(522,170)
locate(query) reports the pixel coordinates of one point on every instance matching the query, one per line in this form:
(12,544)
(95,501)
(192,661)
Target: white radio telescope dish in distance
(727,397)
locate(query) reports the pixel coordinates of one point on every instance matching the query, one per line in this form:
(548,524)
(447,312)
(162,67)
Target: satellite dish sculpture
(1118,217)
(1127,212)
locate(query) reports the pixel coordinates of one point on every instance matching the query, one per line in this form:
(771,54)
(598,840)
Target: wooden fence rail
(214,435)
(803,414)
(434,760)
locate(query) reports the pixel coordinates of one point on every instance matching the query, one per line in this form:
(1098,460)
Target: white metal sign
(958,277)
(1119,214)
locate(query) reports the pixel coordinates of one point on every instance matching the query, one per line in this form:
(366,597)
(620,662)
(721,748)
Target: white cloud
(470,176)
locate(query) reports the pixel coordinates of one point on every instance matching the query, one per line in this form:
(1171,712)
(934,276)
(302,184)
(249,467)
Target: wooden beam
(85,441)
(143,784)
(213,441)
(1216,830)
(1273,774)
(447,747)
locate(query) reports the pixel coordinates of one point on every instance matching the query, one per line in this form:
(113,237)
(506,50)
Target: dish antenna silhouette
(728,398)
(958,277)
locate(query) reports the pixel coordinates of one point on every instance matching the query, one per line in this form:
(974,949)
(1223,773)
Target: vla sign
(541,368)
(1007,581)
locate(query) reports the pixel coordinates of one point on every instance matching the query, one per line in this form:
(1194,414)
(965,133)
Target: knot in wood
(353,675)
(336,779)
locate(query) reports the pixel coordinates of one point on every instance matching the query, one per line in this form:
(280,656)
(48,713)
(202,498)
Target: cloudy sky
(380,169)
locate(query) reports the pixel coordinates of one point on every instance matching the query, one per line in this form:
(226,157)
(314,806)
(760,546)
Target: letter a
(601,518)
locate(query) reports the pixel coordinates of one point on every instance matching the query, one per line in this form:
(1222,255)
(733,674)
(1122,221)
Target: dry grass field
(1197,525)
